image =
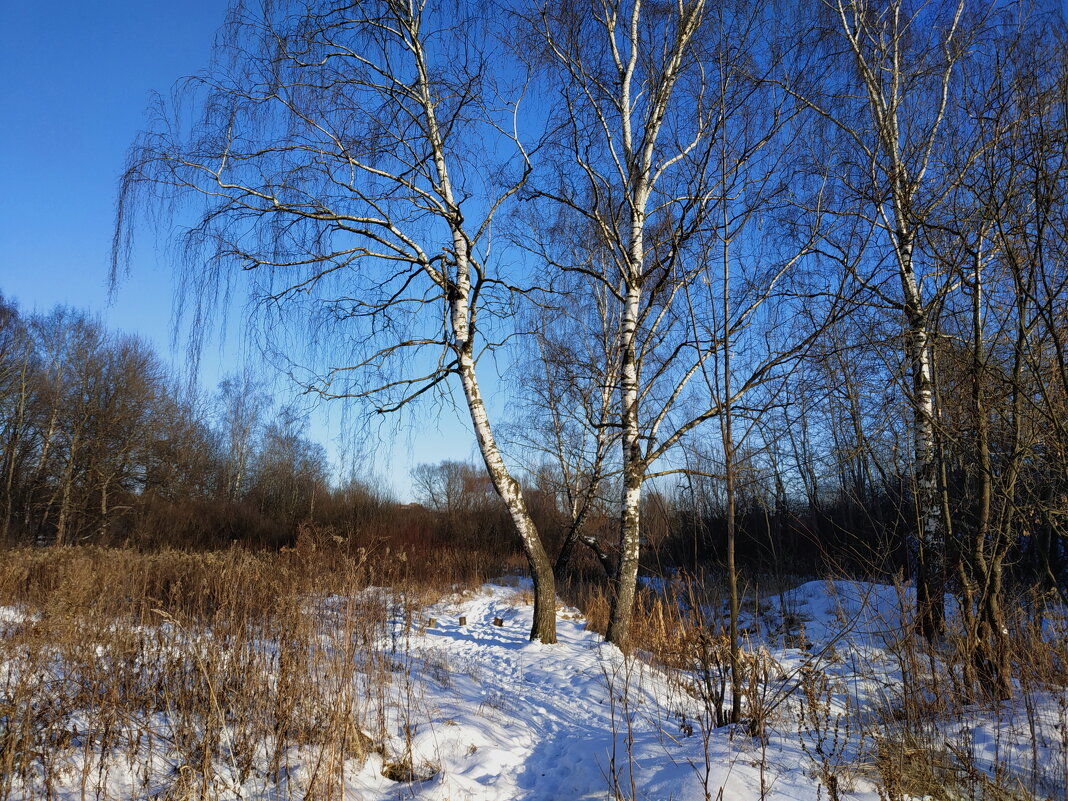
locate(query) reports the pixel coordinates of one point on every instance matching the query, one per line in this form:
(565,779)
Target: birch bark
(900,151)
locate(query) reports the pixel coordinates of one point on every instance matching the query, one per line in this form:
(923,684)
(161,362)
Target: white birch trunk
(641,177)
(626,575)
(930,573)
(883,64)
(541,569)
(458,295)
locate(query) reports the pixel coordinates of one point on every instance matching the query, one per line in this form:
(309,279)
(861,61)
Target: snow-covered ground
(477,711)
(505,718)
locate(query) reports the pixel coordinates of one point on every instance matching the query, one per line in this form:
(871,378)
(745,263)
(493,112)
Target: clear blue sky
(77,78)
(76,83)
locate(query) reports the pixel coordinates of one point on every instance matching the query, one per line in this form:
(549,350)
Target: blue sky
(76,82)
(77,78)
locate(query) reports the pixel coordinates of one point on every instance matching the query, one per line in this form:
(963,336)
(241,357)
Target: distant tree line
(99,442)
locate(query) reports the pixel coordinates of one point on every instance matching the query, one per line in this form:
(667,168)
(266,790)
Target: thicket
(100,443)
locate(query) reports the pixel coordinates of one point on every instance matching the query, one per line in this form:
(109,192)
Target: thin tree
(627,140)
(649,97)
(353,157)
(887,85)
(241,404)
(570,401)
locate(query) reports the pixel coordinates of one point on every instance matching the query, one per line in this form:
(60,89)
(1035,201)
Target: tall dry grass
(213,675)
(233,674)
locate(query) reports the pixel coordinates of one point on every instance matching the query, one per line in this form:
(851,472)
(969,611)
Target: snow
(518,719)
(480,712)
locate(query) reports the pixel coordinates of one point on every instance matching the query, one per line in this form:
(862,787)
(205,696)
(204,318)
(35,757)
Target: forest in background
(734,294)
(102,445)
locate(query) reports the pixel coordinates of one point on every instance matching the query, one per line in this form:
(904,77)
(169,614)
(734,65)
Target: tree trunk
(626,574)
(574,536)
(625,580)
(580,510)
(930,576)
(11,454)
(732,576)
(104,509)
(541,569)
(563,559)
(989,650)
(727,433)
(64,502)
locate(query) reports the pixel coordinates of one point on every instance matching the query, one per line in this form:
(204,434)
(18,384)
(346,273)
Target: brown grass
(180,676)
(899,743)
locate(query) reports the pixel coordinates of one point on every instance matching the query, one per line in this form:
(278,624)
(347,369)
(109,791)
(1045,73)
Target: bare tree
(17,367)
(670,144)
(352,157)
(631,127)
(887,85)
(241,402)
(289,472)
(741,311)
(127,389)
(446,488)
(570,404)
(993,239)
(73,348)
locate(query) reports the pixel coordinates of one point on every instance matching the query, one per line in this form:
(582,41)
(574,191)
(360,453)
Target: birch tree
(569,394)
(241,403)
(629,137)
(666,151)
(350,160)
(887,85)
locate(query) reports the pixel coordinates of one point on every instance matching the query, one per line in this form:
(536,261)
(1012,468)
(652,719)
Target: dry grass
(910,741)
(178,676)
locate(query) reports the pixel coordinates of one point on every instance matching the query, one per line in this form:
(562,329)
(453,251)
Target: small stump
(498,621)
(463,621)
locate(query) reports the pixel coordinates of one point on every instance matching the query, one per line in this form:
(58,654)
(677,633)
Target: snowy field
(476,711)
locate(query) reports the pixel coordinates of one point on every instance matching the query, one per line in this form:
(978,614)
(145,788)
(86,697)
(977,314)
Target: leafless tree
(242,403)
(669,146)
(568,425)
(127,387)
(289,472)
(352,158)
(886,84)
(993,239)
(631,130)
(447,488)
(16,371)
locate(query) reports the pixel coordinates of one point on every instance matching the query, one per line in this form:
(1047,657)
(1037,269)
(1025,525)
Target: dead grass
(901,747)
(178,675)
(190,675)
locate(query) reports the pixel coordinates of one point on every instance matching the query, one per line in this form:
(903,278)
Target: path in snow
(514,719)
(483,714)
